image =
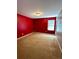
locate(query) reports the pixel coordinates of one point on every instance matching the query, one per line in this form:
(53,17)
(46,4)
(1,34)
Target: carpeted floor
(38,46)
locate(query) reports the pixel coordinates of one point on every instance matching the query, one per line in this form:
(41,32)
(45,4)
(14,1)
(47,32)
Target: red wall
(24,25)
(40,25)
(27,25)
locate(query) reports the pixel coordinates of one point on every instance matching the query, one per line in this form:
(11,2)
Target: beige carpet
(38,46)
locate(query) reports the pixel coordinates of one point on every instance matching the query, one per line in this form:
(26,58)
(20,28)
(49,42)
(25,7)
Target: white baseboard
(59,44)
(24,36)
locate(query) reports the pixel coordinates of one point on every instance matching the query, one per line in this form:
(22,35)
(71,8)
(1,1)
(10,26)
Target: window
(51,25)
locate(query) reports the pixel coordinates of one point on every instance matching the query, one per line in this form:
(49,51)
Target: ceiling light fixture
(38,13)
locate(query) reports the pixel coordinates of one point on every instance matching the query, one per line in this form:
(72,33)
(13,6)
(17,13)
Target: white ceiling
(50,8)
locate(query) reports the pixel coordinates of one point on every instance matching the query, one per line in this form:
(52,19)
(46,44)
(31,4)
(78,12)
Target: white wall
(59,28)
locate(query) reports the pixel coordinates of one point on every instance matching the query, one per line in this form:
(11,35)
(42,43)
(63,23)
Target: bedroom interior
(39,29)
